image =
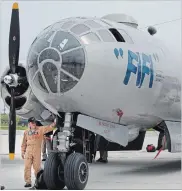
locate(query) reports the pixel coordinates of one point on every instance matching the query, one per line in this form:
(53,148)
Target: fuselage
(130,76)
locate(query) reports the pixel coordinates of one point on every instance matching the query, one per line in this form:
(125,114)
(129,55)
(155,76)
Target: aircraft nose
(56,60)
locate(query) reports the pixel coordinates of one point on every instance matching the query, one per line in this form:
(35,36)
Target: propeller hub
(8,80)
(11,80)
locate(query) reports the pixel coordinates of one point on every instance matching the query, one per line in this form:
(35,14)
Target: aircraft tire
(53,173)
(76,171)
(39,182)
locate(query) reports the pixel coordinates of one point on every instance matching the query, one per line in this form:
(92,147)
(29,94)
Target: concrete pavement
(125,170)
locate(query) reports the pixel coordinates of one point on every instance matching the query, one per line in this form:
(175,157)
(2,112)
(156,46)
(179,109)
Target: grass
(17,128)
(5,117)
(4,122)
(150,129)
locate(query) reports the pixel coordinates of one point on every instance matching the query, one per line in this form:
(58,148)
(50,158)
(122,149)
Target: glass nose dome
(56,61)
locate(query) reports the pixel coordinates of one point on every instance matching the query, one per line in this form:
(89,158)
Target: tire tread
(49,173)
(70,171)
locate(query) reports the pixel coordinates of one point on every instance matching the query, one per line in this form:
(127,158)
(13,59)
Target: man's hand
(23,156)
(54,123)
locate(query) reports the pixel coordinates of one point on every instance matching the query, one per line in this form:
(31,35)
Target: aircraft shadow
(142,166)
(154,169)
(125,162)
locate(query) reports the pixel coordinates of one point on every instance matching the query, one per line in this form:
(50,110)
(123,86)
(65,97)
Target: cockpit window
(32,59)
(39,82)
(57,60)
(56,26)
(117,35)
(93,24)
(68,24)
(66,82)
(74,62)
(32,63)
(39,45)
(90,38)
(45,31)
(125,36)
(51,74)
(64,41)
(49,54)
(32,70)
(106,36)
(43,41)
(79,29)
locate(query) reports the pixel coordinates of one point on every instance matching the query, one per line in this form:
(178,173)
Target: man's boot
(39,182)
(103,157)
(27,185)
(2,187)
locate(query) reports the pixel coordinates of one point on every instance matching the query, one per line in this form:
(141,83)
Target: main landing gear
(73,149)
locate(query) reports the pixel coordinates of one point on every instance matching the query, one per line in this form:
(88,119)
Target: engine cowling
(26,104)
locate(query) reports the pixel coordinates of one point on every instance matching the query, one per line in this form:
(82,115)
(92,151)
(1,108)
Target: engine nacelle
(26,104)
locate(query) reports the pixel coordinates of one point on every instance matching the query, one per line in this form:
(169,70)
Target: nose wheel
(74,174)
(76,171)
(53,172)
(66,166)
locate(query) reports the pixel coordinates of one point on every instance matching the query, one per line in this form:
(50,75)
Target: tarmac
(125,170)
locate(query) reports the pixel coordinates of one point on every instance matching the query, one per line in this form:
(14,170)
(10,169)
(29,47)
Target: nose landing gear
(66,165)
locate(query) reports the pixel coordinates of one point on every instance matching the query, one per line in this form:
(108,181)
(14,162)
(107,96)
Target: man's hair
(32,119)
(38,123)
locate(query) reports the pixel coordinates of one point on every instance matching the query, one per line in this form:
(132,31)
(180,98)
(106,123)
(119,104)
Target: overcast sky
(36,15)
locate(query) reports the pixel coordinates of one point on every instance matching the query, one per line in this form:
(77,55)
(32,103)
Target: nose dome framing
(56,61)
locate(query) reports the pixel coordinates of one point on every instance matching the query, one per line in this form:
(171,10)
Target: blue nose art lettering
(146,70)
(131,68)
(116,52)
(139,70)
(151,73)
(143,65)
(121,52)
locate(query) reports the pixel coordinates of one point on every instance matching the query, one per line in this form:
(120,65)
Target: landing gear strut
(67,165)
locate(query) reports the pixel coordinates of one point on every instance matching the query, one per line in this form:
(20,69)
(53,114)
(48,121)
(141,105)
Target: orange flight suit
(31,147)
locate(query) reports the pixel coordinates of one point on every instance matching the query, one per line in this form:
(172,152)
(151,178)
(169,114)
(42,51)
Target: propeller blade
(12,126)
(14,39)
(14,46)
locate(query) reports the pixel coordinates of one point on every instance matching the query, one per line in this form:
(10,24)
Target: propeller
(12,78)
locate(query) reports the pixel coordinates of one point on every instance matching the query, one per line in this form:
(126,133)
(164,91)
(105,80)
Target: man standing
(103,143)
(31,148)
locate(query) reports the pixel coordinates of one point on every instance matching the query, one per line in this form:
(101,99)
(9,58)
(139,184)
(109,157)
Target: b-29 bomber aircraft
(97,76)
